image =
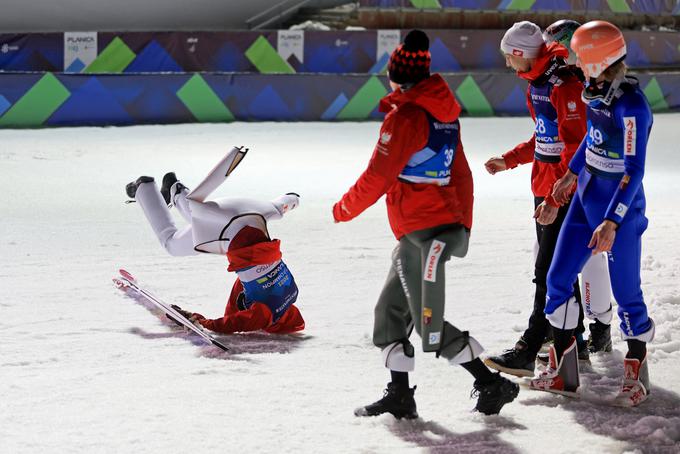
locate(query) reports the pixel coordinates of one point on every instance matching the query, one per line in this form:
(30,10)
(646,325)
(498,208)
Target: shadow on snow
(651,427)
(238,344)
(437,439)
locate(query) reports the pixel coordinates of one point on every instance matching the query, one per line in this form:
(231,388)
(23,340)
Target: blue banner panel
(333,52)
(47,99)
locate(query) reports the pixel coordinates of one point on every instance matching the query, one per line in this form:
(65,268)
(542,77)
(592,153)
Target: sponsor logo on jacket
(436,249)
(629,131)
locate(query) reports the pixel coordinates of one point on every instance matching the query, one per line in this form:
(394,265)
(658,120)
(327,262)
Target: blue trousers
(586,212)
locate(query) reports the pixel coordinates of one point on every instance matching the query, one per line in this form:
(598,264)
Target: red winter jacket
(571,125)
(405,130)
(258,316)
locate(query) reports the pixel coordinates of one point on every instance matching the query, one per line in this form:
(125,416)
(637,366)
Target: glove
(186,314)
(196,317)
(341,213)
(287,202)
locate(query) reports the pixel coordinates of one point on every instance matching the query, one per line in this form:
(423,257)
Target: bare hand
(562,188)
(603,237)
(545,214)
(495,165)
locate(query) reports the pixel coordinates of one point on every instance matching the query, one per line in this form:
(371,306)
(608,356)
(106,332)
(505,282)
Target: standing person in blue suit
(607,213)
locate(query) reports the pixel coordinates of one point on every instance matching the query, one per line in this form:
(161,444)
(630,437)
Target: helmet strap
(604,91)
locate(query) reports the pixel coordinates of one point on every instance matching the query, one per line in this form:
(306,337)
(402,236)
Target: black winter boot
(600,339)
(131,188)
(492,396)
(397,400)
(170,179)
(517,361)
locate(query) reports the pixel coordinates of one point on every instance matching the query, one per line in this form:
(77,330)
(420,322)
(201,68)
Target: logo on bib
(434,337)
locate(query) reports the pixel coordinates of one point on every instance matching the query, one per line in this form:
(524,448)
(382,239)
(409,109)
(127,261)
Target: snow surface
(85,369)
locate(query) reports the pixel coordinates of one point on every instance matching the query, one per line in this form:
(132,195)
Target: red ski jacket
(571,118)
(405,130)
(258,316)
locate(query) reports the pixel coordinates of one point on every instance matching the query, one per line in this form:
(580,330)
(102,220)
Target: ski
(128,280)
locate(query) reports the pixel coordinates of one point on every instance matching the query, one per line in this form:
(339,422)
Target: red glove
(340,213)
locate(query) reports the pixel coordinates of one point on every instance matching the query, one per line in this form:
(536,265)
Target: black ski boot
(517,361)
(397,400)
(492,396)
(170,179)
(582,348)
(131,188)
(600,339)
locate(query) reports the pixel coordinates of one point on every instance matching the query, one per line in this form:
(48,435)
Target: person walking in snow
(263,296)
(607,213)
(596,292)
(420,165)
(554,101)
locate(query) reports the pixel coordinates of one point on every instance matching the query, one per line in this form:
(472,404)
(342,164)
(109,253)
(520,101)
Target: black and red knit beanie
(410,62)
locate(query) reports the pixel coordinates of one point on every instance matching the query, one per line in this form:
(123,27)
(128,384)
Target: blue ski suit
(610,165)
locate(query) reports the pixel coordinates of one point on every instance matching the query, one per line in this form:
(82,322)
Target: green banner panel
(114,59)
(364,101)
(37,104)
(473,100)
(265,58)
(202,101)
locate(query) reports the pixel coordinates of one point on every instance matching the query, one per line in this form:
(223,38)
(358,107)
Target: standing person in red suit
(420,165)
(554,101)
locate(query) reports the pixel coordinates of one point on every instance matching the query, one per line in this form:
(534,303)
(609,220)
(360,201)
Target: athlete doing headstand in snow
(264,292)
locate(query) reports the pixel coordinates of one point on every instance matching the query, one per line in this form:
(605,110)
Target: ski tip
(118,283)
(219,344)
(126,275)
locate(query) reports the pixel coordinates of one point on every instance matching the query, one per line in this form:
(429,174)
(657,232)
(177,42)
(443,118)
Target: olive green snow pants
(413,295)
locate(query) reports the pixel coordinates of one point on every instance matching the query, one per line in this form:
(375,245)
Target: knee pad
(399,356)
(458,346)
(565,316)
(469,352)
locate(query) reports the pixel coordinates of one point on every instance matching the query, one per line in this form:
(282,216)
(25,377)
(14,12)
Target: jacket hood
(544,60)
(432,94)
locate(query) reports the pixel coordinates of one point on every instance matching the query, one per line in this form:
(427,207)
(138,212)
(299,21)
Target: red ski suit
(571,119)
(258,316)
(405,130)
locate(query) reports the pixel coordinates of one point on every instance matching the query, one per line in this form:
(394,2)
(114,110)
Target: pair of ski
(127,281)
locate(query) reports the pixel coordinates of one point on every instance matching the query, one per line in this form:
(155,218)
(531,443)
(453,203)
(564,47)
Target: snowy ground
(85,369)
